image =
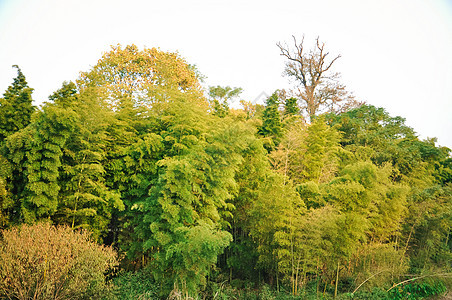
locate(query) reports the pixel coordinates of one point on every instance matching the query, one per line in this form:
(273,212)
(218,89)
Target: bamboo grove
(196,192)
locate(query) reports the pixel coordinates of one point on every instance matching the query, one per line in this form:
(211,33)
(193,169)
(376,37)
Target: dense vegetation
(45,262)
(310,195)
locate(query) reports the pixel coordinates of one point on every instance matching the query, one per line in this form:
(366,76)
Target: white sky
(396,54)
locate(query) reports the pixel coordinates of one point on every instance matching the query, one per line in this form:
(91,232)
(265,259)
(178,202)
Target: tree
(129,77)
(6,202)
(308,153)
(290,241)
(371,133)
(172,161)
(271,121)
(241,256)
(426,230)
(219,98)
(275,219)
(290,107)
(188,195)
(138,88)
(252,111)
(318,88)
(66,96)
(35,156)
(16,106)
(16,111)
(193,253)
(287,159)
(322,148)
(84,199)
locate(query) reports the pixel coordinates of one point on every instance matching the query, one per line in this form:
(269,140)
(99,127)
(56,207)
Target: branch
(332,62)
(296,57)
(368,280)
(420,277)
(299,47)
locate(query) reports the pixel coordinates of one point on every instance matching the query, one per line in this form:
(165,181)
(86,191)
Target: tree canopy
(207,201)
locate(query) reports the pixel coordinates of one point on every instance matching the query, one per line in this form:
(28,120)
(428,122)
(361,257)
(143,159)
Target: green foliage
(66,96)
(252,111)
(192,190)
(6,202)
(374,293)
(242,255)
(132,77)
(219,98)
(370,133)
(320,157)
(371,126)
(444,170)
(84,199)
(251,203)
(376,264)
(16,106)
(173,196)
(46,262)
(195,250)
(308,152)
(290,107)
(427,229)
(311,194)
(35,154)
(271,121)
(368,190)
(417,290)
(288,158)
(135,285)
(277,218)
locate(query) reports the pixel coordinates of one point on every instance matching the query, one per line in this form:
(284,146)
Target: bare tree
(318,88)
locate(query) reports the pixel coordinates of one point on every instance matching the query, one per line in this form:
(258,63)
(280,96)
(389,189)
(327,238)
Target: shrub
(135,285)
(419,290)
(47,262)
(376,265)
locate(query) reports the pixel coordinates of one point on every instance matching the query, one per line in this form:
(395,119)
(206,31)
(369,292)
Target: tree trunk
(337,279)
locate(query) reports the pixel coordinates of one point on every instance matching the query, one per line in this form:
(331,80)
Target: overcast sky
(396,54)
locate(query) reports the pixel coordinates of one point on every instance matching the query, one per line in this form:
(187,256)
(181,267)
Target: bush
(47,262)
(419,290)
(135,285)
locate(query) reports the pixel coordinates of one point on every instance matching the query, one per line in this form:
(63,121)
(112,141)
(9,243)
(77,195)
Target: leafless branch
(312,70)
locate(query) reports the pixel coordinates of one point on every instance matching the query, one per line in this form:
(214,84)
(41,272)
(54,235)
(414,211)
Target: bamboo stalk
(420,277)
(368,280)
(337,279)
